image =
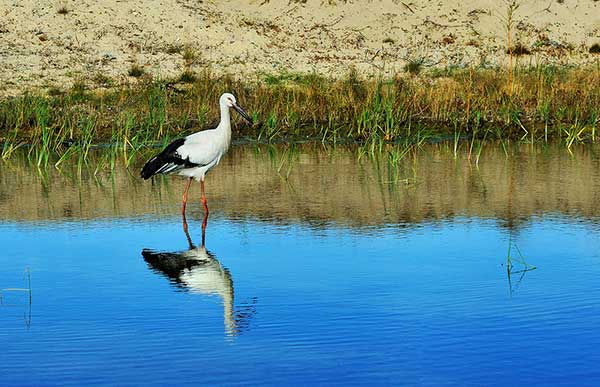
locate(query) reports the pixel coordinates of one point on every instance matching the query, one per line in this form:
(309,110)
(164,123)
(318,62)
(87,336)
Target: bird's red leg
(203,198)
(185,194)
(205,220)
(187,234)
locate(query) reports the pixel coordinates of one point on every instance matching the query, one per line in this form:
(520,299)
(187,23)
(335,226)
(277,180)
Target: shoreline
(537,104)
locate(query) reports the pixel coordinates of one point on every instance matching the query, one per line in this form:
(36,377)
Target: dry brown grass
(539,103)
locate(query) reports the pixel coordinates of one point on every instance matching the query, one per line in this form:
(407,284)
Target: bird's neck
(225,124)
(228,315)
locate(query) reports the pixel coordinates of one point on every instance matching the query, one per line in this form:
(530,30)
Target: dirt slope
(45,43)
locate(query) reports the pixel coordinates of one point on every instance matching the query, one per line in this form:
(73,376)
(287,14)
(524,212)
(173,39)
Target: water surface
(322,265)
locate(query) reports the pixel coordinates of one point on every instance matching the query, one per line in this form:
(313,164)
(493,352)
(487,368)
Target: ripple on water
(330,275)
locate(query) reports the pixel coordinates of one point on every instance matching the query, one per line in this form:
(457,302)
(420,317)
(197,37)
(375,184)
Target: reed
(512,261)
(516,265)
(509,20)
(28,289)
(546,102)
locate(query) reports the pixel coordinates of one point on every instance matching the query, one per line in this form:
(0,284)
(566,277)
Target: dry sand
(54,43)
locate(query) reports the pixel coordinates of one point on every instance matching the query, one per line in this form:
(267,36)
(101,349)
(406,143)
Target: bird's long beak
(242,112)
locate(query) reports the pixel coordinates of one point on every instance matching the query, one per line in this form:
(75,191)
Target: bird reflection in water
(198,271)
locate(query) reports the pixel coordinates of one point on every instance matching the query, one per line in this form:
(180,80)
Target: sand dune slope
(46,43)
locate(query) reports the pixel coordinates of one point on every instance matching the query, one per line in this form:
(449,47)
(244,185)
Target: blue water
(401,304)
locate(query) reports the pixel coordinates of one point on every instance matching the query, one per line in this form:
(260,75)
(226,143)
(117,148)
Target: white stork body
(196,154)
(197,271)
(206,148)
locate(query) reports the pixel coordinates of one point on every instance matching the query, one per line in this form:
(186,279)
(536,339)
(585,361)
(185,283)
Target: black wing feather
(168,160)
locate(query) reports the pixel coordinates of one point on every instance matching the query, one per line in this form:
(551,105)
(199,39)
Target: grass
(173,48)
(414,66)
(28,289)
(518,50)
(547,102)
(516,265)
(513,261)
(79,88)
(189,55)
(136,70)
(187,76)
(509,20)
(103,80)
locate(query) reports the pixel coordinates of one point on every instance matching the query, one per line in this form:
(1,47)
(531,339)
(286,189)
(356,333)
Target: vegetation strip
(534,104)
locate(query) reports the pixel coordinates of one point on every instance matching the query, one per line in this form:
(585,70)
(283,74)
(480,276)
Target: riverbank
(536,104)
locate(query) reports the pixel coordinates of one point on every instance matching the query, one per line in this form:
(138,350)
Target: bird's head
(228,100)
